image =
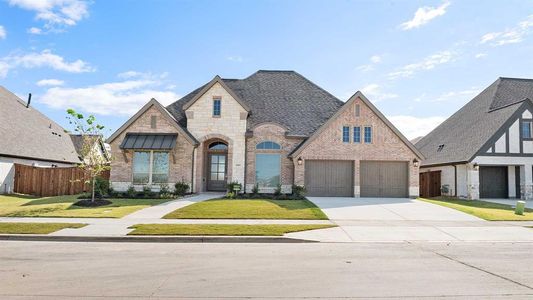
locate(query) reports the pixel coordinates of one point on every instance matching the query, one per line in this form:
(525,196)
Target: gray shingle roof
(25,132)
(284,97)
(466,131)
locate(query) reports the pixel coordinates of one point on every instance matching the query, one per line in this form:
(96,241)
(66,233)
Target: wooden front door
(216,172)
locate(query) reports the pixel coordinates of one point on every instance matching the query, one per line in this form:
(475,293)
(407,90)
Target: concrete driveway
(400,220)
(386,209)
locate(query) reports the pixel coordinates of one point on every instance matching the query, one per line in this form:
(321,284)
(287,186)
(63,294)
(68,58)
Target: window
(216,107)
(150,167)
(218,146)
(267,169)
(268,145)
(526,130)
(357,134)
(357,110)
(368,135)
(346,134)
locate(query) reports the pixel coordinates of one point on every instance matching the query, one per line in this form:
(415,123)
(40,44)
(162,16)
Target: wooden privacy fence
(46,182)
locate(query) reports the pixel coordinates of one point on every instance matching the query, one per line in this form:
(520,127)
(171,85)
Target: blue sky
(418,61)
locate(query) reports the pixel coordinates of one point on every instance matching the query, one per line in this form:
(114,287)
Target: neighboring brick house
(485,149)
(271,128)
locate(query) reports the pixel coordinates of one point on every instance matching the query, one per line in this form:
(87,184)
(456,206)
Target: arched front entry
(217,166)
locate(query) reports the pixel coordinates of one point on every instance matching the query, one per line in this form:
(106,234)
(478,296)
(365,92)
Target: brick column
(472,182)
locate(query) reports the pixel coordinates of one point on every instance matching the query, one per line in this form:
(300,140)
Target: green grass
(62,206)
(35,228)
(485,210)
(220,229)
(249,209)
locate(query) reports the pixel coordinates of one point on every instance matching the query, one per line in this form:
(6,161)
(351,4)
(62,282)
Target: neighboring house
(30,138)
(271,128)
(484,150)
(91,144)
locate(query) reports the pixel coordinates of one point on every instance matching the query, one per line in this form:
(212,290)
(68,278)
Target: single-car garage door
(329,178)
(384,179)
(493,182)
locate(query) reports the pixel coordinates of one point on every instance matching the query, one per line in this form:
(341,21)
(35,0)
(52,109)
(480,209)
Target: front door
(216,179)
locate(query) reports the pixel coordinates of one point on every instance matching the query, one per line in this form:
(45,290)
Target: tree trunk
(94,183)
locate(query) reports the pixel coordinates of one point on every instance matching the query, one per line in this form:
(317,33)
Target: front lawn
(62,206)
(35,228)
(220,229)
(484,210)
(249,209)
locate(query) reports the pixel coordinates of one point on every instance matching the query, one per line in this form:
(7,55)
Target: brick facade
(386,145)
(275,133)
(180,166)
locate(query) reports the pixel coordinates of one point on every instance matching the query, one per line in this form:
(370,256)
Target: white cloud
(413,127)
(114,98)
(480,55)
(458,95)
(35,30)
(512,35)
(374,60)
(376,94)
(3,33)
(43,59)
(50,82)
(235,58)
(427,63)
(425,14)
(55,12)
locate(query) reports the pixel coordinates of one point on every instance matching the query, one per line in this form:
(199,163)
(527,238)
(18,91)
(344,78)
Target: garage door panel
(329,178)
(493,182)
(384,179)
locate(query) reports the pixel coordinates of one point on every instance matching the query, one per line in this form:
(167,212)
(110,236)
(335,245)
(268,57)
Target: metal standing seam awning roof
(149,141)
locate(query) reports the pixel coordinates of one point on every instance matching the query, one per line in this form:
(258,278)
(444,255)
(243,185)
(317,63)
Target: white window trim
(150,167)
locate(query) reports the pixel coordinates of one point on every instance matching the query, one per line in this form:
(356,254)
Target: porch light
(416,163)
(300,161)
(476,167)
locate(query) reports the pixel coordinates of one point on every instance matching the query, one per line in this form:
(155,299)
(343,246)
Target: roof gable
(375,111)
(153,102)
(208,86)
(476,122)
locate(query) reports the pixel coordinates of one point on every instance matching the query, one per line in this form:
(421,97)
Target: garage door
(329,178)
(384,179)
(493,182)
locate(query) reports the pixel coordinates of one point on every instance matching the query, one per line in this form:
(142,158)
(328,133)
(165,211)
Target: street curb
(151,239)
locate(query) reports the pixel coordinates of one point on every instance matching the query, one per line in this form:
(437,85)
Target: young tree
(93,162)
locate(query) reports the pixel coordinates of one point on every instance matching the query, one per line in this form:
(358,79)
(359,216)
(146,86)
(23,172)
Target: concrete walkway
(512,202)
(400,220)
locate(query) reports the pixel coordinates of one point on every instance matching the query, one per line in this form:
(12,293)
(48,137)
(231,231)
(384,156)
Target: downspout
(245,163)
(192,169)
(455,178)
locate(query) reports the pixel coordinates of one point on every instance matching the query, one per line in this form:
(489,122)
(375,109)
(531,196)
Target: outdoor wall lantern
(416,163)
(300,161)
(476,167)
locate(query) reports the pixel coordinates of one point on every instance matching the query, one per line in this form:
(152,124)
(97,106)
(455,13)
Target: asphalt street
(464,270)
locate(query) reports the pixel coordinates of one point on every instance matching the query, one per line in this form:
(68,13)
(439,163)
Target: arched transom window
(268,145)
(218,146)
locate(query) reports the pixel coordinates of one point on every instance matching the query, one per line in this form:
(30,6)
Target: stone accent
(180,157)
(275,133)
(386,145)
(230,126)
(472,182)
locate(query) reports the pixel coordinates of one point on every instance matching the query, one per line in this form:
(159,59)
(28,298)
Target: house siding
(385,146)
(180,164)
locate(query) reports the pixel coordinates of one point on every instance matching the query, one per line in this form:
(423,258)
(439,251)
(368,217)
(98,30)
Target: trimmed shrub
(181,188)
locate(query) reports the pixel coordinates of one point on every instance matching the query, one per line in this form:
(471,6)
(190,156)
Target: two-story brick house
(271,128)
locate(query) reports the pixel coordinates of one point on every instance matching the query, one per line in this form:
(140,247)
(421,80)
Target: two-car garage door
(334,178)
